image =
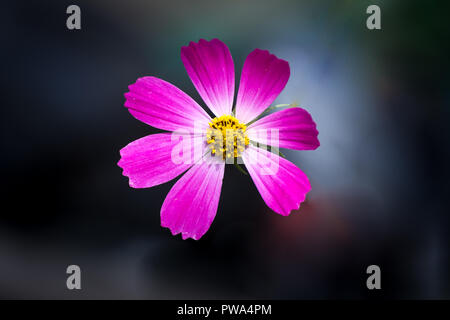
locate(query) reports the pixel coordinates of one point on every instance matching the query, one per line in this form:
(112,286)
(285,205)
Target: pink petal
(262,80)
(296,129)
(210,66)
(162,105)
(148,161)
(191,205)
(285,188)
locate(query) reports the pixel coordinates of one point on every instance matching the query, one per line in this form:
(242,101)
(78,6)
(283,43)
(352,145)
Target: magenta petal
(191,205)
(262,80)
(284,187)
(210,66)
(148,161)
(162,105)
(296,129)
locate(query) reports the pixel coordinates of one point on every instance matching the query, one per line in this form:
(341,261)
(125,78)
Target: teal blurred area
(380,179)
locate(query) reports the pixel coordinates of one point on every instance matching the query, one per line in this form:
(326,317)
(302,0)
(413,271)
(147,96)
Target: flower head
(230,146)
(232,136)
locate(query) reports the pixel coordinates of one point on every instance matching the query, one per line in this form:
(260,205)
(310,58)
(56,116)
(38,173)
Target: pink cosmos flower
(191,204)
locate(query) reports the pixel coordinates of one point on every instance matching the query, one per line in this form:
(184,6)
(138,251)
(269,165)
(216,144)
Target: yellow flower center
(226,137)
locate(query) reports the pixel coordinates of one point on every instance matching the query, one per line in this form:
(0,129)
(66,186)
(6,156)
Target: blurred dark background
(380,180)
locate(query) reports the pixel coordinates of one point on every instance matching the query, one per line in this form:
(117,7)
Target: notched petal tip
(184,235)
(282,191)
(315,134)
(138,81)
(295,207)
(204,41)
(193,44)
(121,164)
(316,143)
(270,56)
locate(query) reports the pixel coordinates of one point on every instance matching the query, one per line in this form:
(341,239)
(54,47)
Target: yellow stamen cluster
(226,137)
